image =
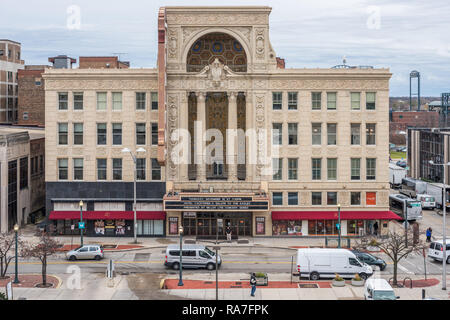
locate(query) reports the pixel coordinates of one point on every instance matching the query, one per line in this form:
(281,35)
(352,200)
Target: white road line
(404,269)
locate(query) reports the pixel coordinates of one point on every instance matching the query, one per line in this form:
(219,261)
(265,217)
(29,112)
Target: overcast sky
(403,35)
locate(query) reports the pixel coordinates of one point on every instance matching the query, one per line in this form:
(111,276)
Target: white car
(378,289)
(436,250)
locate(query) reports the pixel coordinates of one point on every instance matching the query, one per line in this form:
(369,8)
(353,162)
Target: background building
(10,63)
(22,175)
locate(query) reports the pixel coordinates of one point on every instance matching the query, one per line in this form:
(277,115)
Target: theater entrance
(204,225)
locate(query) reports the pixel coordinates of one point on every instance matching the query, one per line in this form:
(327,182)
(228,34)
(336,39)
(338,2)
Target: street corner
(33,281)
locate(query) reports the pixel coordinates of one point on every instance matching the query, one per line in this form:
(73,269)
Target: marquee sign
(216,203)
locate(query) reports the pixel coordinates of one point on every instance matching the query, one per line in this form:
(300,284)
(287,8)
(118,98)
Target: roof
(7,40)
(34,133)
(379,284)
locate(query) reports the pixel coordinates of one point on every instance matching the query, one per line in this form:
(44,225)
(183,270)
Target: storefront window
(150,227)
(99,227)
(173,225)
(322,227)
(287,228)
(260,225)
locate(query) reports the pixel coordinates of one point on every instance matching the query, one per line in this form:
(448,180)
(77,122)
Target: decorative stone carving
(140,83)
(172,122)
(260,43)
(173,43)
(77,151)
(102,152)
(116,116)
(260,140)
(216,74)
(342,84)
(316,151)
(141,116)
(219,19)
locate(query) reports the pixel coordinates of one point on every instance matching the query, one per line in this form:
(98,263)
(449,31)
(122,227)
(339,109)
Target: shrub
(3,296)
(373,243)
(260,274)
(357,277)
(338,277)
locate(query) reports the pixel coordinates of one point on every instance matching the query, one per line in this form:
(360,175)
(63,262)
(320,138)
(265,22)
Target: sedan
(370,259)
(402,164)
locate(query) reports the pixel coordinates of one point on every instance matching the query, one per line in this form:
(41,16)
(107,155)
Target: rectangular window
(63,169)
(156,170)
(331,168)
(355,100)
(331,100)
(292,169)
(355,168)
(140,169)
(101,100)
(24,173)
(277,133)
(41,164)
(355,135)
(140,133)
(78,101)
(77,133)
(140,100)
(371,168)
(277,198)
(277,100)
(331,198)
(355,198)
(101,133)
(154,134)
(293,198)
(371,198)
(101,169)
(117,100)
(117,133)
(293,134)
(260,225)
(63,100)
(316,133)
(154,97)
(370,100)
(77,169)
(63,133)
(316,198)
(277,169)
(316,98)
(370,133)
(292,100)
(317,169)
(117,169)
(331,133)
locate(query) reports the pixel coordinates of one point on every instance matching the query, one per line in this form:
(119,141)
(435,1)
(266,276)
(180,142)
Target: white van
(378,289)
(436,250)
(315,263)
(194,256)
(428,202)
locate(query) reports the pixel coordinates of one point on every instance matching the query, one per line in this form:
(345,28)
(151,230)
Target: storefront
(109,223)
(325,223)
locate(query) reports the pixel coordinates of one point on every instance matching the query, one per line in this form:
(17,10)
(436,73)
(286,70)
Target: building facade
(10,63)
(240,140)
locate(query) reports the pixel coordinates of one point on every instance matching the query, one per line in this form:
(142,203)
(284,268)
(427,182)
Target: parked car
(316,263)
(378,289)
(194,256)
(401,163)
(370,259)
(436,251)
(91,251)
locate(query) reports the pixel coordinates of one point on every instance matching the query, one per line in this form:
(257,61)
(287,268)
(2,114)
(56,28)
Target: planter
(357,283)
(338,283)
(373,249)
(262,280)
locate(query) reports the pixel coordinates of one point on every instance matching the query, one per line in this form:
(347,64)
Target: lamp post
(133,156)
(81,221)
(16,278)
(339,225)
(180,282)
(444,242)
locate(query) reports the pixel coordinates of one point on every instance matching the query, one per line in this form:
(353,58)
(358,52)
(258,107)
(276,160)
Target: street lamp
(81,222)
(16,279)
(339,225)
(180,282)
(133,156)
(444,242)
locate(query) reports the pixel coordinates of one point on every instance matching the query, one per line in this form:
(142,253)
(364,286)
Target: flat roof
(34,133)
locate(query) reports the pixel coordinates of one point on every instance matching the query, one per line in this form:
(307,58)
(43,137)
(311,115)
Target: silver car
(90,251)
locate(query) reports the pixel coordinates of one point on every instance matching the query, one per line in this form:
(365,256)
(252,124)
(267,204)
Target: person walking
(375,228)
(228,232)
(428,233)
(253,284)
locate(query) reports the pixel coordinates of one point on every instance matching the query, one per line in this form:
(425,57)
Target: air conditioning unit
(436,130)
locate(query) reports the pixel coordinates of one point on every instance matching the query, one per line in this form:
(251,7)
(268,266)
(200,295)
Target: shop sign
(190,214)
(81,225)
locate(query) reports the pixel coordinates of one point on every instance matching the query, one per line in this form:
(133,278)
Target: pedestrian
(228,231)
(429,231)
(375,228)
(253,284)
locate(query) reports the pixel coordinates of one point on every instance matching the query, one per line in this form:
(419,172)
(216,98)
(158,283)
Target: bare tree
(7,251)
(46,247)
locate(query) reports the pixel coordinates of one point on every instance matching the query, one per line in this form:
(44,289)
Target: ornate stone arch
(188,43)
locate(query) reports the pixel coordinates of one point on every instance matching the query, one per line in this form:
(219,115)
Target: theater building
(240,140)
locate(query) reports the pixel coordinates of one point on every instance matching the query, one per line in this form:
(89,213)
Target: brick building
(31,97)
(10,63)
(401,120)
(103,63)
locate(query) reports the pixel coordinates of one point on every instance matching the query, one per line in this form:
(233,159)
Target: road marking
(142,262)
(404,269)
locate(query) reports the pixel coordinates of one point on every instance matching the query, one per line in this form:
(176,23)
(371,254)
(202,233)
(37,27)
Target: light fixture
(339,205)
(16,227)
(125,150)
(81,203)
(180,229)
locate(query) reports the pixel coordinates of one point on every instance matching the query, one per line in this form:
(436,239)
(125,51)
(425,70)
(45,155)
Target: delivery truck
(436,190)
(396,175)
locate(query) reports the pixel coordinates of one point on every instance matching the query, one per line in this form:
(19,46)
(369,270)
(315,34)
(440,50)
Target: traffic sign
(338,226)
(81,225)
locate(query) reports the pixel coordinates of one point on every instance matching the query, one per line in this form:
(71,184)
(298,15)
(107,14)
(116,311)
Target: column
(184,126)
(232,144)
(249,125)
(200,131)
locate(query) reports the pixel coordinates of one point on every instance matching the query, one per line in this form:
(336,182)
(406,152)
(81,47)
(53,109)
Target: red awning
(333,215)
(107,215)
